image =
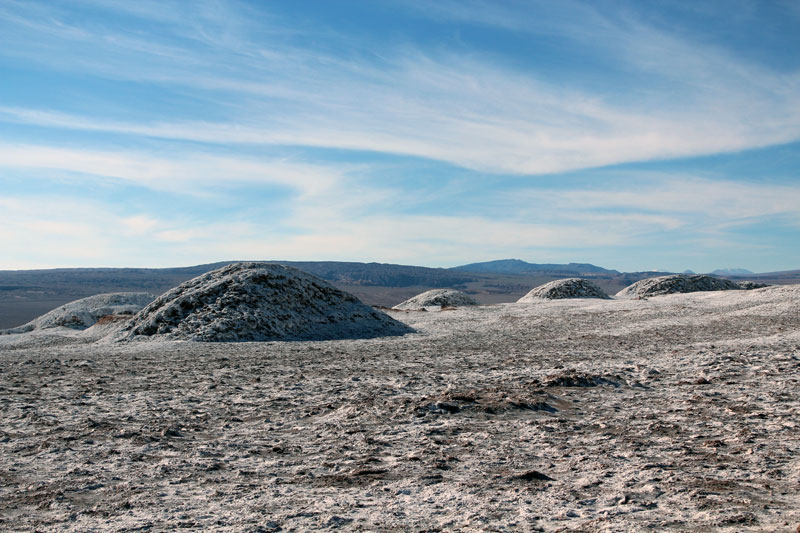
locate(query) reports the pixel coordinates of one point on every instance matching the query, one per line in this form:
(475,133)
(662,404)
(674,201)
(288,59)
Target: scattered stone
(84,313)
(564,288)
(533,475)
(442,298)
(676,283)
(338,521)
(572,378)
(171,431)
(448,407)
(259,302)
(493,400)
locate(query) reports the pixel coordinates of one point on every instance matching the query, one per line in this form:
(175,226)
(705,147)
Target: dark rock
(533,475)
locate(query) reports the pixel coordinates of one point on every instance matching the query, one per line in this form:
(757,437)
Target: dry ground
(677,413)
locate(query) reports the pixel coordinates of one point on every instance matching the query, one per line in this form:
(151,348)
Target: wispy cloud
(468,110)
(704,199)
(186,173)
(251,106)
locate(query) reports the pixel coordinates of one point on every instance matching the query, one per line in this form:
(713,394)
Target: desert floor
(676,413)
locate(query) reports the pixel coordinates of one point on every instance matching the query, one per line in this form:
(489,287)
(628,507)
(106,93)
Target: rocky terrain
(672,413)
(676,283)
(27,294)
(564,288)
(437,298)
(259,302)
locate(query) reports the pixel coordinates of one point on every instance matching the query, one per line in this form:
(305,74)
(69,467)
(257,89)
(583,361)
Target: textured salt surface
(437,298)
(676,283)
(84,313)
(677,413)
(564,288)
(259,302)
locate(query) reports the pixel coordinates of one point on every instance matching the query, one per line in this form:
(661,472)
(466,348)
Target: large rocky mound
(676,283)
(437,298)
(259,302)
(564,288)
(84,313)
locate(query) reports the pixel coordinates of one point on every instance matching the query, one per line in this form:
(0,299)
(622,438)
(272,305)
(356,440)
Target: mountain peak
(732,272)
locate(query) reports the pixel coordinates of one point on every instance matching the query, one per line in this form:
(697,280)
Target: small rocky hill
(84,313)
(259,302)
(437,298)
(564,288)
(676,283)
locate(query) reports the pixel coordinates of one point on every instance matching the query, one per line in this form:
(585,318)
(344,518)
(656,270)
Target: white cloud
(469,110)
(181,172)
(139,224)
(708,200)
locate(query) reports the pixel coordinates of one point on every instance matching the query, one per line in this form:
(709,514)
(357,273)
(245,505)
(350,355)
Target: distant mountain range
(517,266)
(26,294)
(732,272)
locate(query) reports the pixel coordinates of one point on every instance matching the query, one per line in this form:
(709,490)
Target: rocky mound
(84,313)
(259,302)
(564,288)
(676,283)
(437,298)
(750,285)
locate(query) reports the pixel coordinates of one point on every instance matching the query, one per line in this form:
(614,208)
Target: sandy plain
(675,413)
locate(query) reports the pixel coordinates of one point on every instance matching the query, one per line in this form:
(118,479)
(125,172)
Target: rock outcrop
(750,285)
(437,298)
(259,302)
(676,283)
(564,288)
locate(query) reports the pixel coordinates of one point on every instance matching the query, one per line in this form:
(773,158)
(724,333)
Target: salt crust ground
(437,298)
(676,413)
(564,288)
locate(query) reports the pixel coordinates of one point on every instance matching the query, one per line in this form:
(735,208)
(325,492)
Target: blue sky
(633,135)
